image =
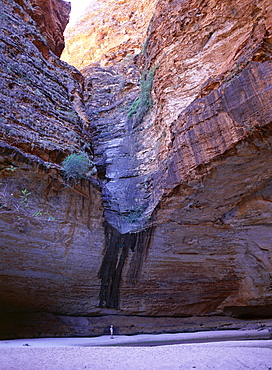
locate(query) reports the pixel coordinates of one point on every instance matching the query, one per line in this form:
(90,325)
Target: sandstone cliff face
(51,234)
(51,18)
(184,186)
(111,30)
(212,90)
(40,95)
(199,155)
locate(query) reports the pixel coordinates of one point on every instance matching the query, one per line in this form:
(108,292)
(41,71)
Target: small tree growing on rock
(77,166)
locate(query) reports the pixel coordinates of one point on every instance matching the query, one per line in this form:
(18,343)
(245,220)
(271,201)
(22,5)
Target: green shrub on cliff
(76,166)
(143,103)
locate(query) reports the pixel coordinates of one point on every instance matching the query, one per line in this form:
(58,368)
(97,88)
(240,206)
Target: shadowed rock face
(51,17)
(178,221)
(51,241)
(41,108)
(51,234)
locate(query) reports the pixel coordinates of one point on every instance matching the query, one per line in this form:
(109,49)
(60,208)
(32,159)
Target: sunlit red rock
(110,30)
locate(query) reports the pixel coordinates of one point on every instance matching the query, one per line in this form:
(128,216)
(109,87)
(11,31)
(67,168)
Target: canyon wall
(52,233)
(194,171)
(110,30)
(177,221)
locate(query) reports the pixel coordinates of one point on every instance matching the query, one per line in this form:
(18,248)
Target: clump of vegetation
(77,166)
(134,214)
(143,103)
(20,206)
(24,195)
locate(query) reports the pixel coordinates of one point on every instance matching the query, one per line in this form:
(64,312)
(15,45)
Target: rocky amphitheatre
(170,102)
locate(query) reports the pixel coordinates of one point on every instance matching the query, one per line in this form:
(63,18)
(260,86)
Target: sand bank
(218,350)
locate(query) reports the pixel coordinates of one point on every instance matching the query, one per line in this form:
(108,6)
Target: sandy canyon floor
(247,349)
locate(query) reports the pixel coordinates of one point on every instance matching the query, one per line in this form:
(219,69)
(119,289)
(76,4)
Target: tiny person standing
(111,331)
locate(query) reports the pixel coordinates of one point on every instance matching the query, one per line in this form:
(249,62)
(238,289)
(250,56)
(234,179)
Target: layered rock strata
(110,31)
(199,155)
(44,325)
(51,233)
(51,18)
(40,95)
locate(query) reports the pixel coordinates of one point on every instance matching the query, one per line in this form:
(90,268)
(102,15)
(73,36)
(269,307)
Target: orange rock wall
(202,150)
(198,45)
(51,18)
(109,31)
(51,234)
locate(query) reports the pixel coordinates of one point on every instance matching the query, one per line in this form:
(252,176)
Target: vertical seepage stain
(117,248)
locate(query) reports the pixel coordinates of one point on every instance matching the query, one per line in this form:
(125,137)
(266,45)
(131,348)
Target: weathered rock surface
(51,18)
(42,325)
(184,187)
(111,30)
(199,155)
(40,95)
(51,241)
(51,234)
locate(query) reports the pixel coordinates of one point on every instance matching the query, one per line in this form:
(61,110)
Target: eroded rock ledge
(44,325)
